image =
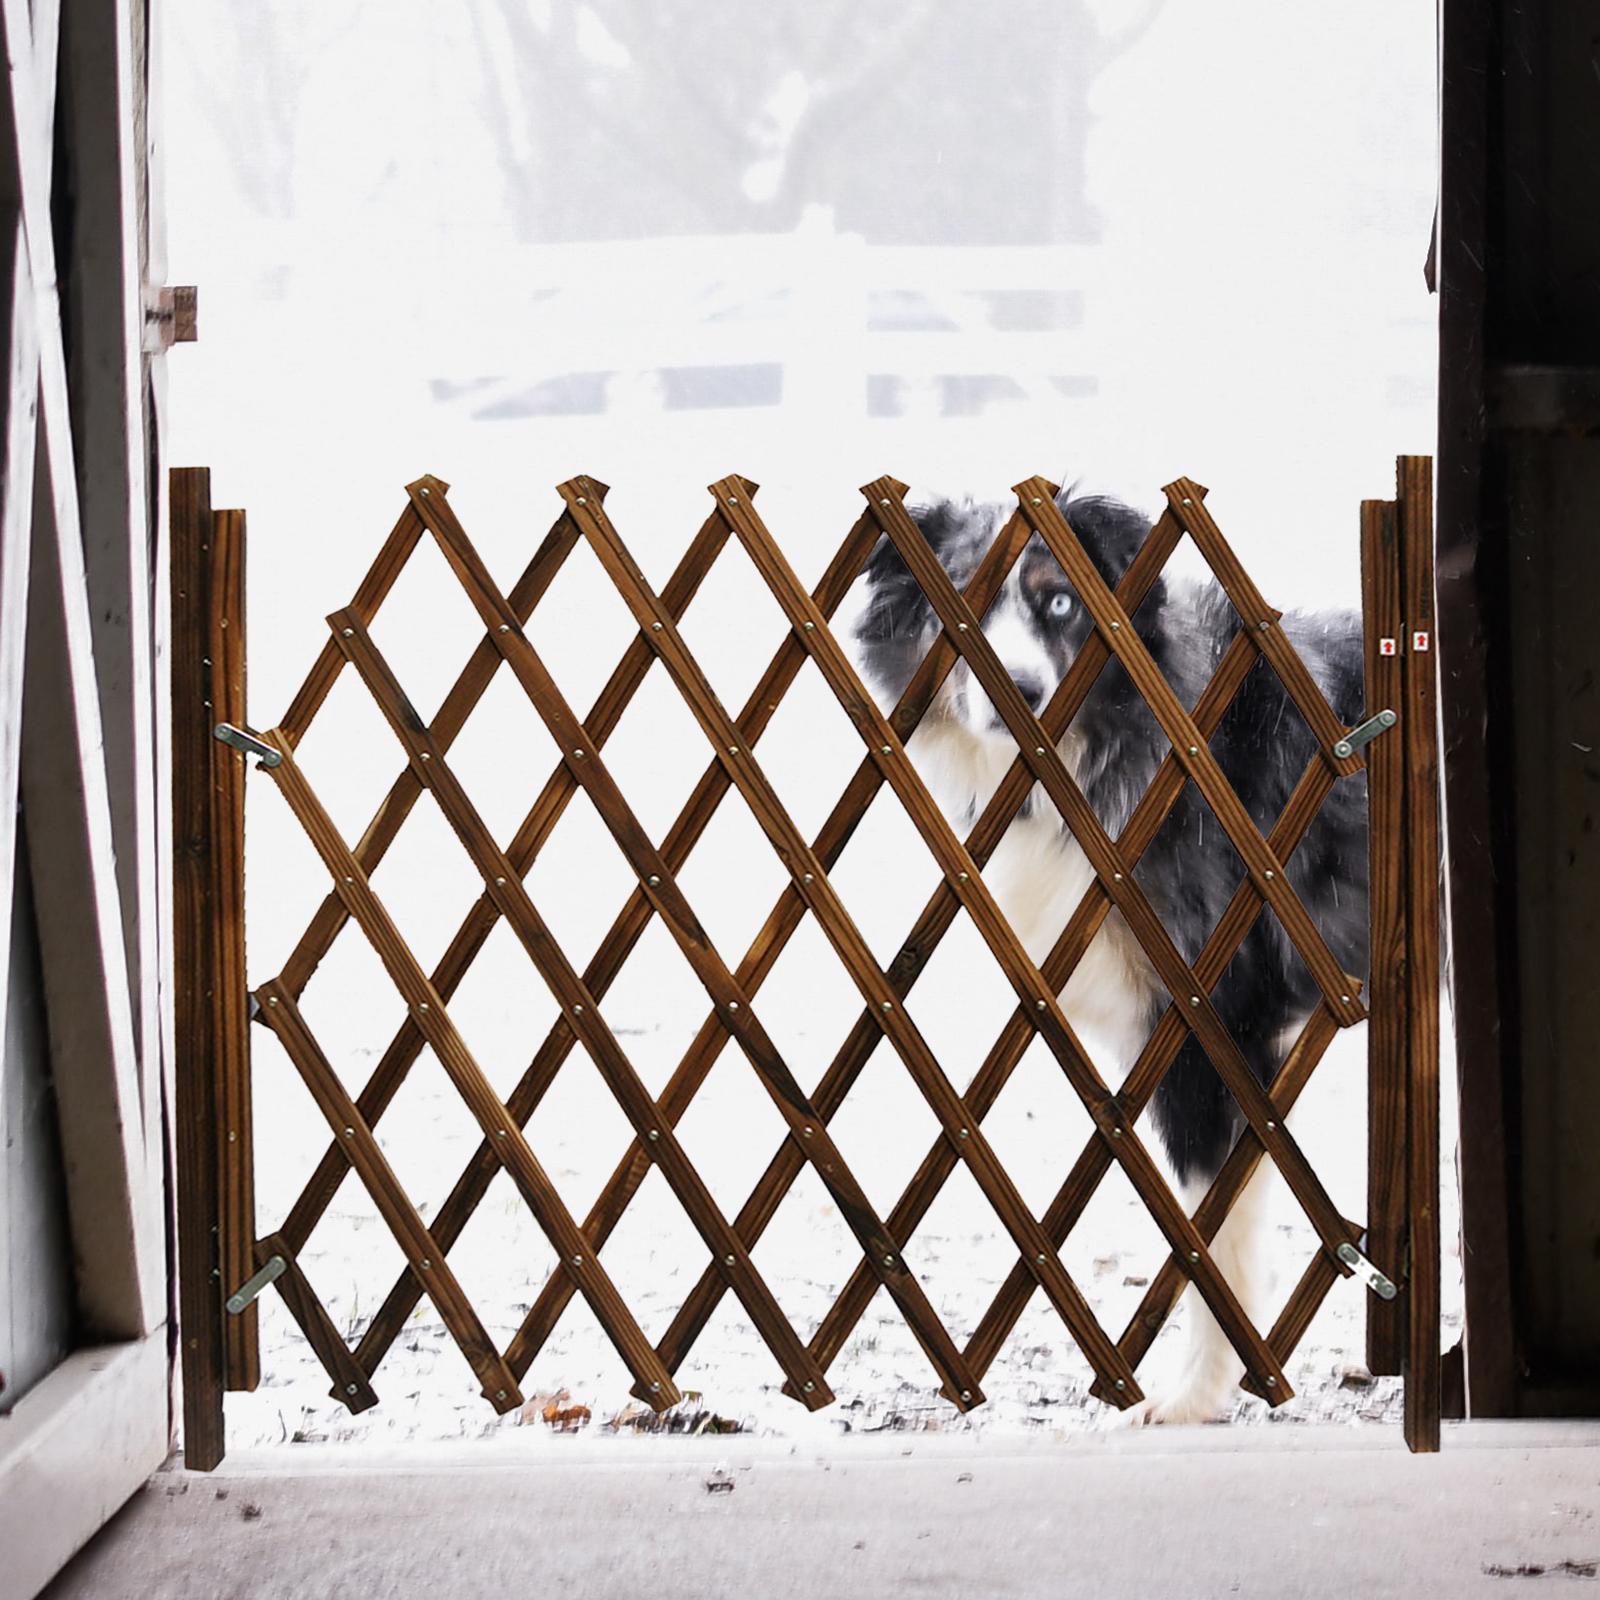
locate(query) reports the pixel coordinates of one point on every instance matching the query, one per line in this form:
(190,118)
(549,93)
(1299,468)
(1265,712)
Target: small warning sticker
(1388,647)
(1419,641)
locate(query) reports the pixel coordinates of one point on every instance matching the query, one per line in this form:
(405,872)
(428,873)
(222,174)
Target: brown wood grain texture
(1032,988)
(425,1005)
(598,975)
(349,1381)
(1036,497)
(506,889)
(1386,856)
(370,593)
(457,706)
(1115,873)
(200,1291)
(1157,1056)
(1161,1298)
(530,837)
(1058,966)
(1419,725)
(784,918)
(731,1000)
(807,872)
(1304,1301)
(230,1015)
(410,1232)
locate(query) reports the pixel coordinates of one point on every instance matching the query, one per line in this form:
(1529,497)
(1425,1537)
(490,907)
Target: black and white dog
(1113,747)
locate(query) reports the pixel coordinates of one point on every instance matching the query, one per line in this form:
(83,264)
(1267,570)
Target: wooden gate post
(216,1221)
(1419,726)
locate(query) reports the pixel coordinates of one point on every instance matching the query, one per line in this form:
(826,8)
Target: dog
(1112,748)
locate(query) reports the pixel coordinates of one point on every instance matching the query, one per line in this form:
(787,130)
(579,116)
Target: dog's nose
(1030,687)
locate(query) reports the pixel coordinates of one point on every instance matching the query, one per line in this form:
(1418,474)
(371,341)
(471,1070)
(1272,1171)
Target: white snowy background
(657,241)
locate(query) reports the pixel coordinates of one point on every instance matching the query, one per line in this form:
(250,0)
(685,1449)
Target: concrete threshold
(1276,1512)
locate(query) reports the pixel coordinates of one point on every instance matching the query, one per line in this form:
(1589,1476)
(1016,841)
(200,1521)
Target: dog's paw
(1186,1404)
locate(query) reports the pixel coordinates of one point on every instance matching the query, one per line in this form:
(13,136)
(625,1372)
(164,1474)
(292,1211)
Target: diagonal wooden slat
(350,1382)
(760,958)
(730,999)
(1037,498)
(601,971)
(1115,872)
(1302,1305)
(409,1230)
(808,874)
(423,1000)
(1030,985)
(524,848)
(564,983)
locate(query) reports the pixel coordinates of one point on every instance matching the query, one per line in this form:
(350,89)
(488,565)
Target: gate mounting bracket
(242,739)
(272,1269)
(1381,1286)
(1364,733)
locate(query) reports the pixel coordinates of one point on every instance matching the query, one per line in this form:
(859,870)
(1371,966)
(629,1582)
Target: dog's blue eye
(1058,605)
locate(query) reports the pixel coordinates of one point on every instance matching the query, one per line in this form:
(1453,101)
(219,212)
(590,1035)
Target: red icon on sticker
(1388,647)
(1419,641)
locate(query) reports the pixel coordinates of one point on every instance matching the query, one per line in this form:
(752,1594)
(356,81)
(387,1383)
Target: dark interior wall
(1519,626)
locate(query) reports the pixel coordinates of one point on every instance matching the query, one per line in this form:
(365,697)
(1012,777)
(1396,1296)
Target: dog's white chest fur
(1038,874)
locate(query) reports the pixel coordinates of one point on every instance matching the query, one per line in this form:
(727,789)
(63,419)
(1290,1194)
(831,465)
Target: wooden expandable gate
(225,1264)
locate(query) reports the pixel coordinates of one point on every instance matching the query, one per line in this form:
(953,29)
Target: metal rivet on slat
(805,1133)
(966,1394)
(733,499)
(733,749)
(349,1133)
(501,882)
(962,877)
(808,626)
(1269,875)
(577,1010)
(1272,1383)
(1116,627)
(1271,1126)
(961,627)
(883,502)
(1263,626)
(355,1388)
(655,627)
(1039,1005)
(1194,999)
(425,1263)
(808,1386)
(499,1394)
(1345,998)
(424,493)
(1194,749)
(578,755)
(727,1261)
(582,501)
(888,1261)
(652,880)
(733,1005)
(1194,1255)
(501,1133)
(1037,501)
(424,756)
(1116,1133)
(961,1133)
(1121,1383)
(1187,501)
(1038,749)
(886,1006)
(653,1135)
(423,1006)
(655,1388)
(577,1261)
(1116,877)
(349,880)
(1040,1258)
(272,1000)
(884,750)
(349,633)
(505,627)
(806,877)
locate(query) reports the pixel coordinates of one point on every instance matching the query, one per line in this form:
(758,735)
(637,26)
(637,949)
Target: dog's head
(1036,623)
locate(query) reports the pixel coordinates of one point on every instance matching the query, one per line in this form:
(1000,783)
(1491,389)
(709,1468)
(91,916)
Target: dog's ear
(897,606)
(1109,530)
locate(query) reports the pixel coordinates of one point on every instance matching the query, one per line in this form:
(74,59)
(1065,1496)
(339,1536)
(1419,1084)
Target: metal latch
(1363,1269)
(240,739)
(1364,734)
(273,1269)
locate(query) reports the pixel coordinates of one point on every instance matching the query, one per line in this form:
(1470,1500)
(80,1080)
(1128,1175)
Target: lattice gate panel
(1405,928)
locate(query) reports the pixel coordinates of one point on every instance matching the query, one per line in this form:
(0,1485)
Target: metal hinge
(241,739)
(1364,733)
(1363,1269)
(272,1269)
